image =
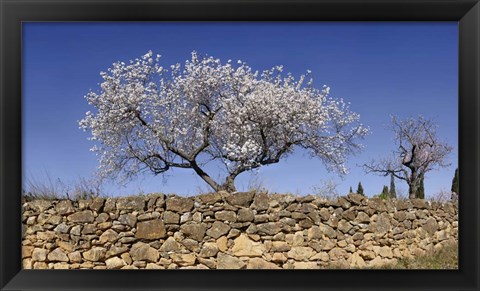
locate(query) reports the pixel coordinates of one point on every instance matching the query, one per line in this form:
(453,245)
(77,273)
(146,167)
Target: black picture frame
(14,12)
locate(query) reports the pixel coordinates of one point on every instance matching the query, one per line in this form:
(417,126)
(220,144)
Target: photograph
(240,145)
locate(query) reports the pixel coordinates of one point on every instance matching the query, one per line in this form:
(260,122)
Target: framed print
(188,145)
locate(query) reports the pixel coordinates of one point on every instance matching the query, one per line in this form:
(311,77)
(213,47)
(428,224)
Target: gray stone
(430,226)
(245,214)
(209,249)
(170,245)
(40,205)
(62,228)
(210,198)
(96,204)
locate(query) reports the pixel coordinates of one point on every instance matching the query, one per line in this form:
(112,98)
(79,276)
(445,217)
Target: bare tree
(419,151)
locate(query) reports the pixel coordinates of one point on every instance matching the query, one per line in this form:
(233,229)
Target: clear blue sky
(404,69)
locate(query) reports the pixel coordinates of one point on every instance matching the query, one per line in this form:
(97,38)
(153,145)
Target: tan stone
(80,217)
(108,236)
(222,243)
(153,266)
(65,245)
(225,261)
(300,253)
(39,255)
(183,259)
(152,229)
(209,249)
(218,229)
(144,252)
(57,255)
(27,251)
(258,263)
(115,263)
(95,254)
(244,247)
(170,245)
(356,261)
(305,265)
(75,257)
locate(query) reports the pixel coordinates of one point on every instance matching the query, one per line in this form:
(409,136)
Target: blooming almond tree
(150,118)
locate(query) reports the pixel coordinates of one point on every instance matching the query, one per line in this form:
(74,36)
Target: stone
(194,230)
(260,201)
(226,215)
(209,249)
(356,198)
(210,198)
(258,263)
(241,198)
(322,256)
(62,228)
(279,258)
(222,243)
(153,266)
(80,217)
(183,259)
(57,255)
(170,217)
(362,217)
(95,254)
(110,205)
(305,265)
(152,229)
(64,207)
(225,261)
(191,245)
(108,236)
(420,203)
(186,217)
(344,226)
(27,251)
(245,214)
(324,214)
(75,257)
(356,261)
(89,229)
(381,225)
(179,204)
(269,228)
(144,252)
(40,265)
(131,203)
(128,219)
(244,247)
(65,245)
(328,231)
(337,254)
(116,250)
(218,229)
(400,216)
(114,263)
(377,262)
(300,253)
(76,230)
(96,204)
(349,214)
(280,246)
(39,255)
(102,217)
(430,226)
(170,245)
(46,236)
(40,205)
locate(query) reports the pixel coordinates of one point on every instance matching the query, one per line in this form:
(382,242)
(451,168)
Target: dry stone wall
(244,230)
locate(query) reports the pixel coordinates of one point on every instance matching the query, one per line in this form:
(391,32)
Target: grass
(444,259)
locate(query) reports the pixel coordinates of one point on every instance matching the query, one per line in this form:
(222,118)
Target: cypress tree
(351,191)
(455,182)
(360,188)
(393,193)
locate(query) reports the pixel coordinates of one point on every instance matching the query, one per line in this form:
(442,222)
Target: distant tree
(152,118)
(419,151)
(350,191)
(360,188)
(393,193)
(384,194)
(455,182)
(421,190)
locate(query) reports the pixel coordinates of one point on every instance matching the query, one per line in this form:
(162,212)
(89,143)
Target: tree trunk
(229,184)
(205,177)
